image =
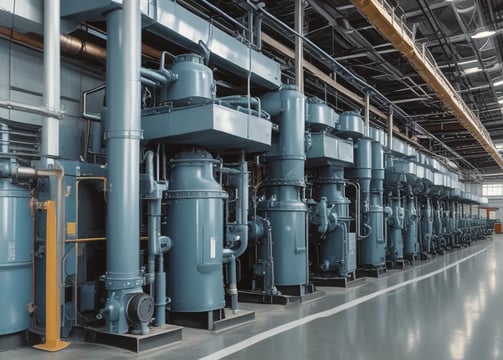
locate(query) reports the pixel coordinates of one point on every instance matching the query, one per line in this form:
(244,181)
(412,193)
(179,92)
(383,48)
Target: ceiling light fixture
(500,101)
(483,34)
(498,83)
(471,70)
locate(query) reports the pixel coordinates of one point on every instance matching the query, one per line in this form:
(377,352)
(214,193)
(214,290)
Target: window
(492,189)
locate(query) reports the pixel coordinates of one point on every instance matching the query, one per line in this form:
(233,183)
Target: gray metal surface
(16,247)
(213,126)
(283,205)
(410,243)
(169,19)
(395,247)
(123,143)
(329,149)
(195,225)
(351,125)
(336,253)
(52,79)
(195,80)
(320,116)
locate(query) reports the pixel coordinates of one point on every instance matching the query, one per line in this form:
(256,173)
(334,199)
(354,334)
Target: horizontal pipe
(32,109)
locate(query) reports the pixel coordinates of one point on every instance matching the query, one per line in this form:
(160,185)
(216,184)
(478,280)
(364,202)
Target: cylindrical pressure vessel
(16,247)
(195,224)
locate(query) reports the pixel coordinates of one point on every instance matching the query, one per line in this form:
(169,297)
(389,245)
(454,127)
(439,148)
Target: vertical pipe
(390,129)
(52,79)
(367,114)
(123,139)
(52,301)
(160,292)
(299,45)
(123,143)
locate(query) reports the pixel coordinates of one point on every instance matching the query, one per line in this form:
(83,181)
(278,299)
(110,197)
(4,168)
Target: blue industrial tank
(195,224)
(194,79)
(16,246)
(283,205)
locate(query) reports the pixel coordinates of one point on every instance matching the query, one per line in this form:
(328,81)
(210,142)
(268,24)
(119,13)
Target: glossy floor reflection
(456,314)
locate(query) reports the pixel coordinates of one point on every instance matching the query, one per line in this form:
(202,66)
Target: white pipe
(52,80)
(299,46)
(367,114)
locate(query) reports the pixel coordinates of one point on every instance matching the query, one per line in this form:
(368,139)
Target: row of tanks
(244,199)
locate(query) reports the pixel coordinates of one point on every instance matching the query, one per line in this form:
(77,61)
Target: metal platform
(212,320)
(212,126)
(158,337)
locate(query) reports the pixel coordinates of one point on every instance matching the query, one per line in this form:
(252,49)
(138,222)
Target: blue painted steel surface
(410,243)
(320,116)
(16,247)
(283,205)
(195,225)
(335,250)
(212,126)
(170,20)
(123,277)
(195,80)
(395,225)
(426,224)
(351,125)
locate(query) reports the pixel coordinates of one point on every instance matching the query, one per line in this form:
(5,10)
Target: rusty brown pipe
(70,45)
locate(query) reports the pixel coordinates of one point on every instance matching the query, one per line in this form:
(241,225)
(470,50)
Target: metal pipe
(232,289)
(154,75)
(390,128)
(123,143)
(52,80)
(32,109)
(299,46)
(84,113)
(160,292)
(367,114)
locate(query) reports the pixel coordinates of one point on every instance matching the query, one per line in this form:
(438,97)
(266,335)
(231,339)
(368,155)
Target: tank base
(278,299)
(398,264)
(12,341)
(331,280)
(412,258)
(371,272)
(425,256)
(211,320)
(158,337)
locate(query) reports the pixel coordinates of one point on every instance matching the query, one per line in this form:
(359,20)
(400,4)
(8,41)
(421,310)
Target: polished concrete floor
(447,308)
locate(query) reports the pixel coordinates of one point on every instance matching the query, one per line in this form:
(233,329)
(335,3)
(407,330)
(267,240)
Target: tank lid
(194,154)
(195,58)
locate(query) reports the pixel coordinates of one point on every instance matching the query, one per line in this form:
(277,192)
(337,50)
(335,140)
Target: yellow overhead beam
(380,14)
